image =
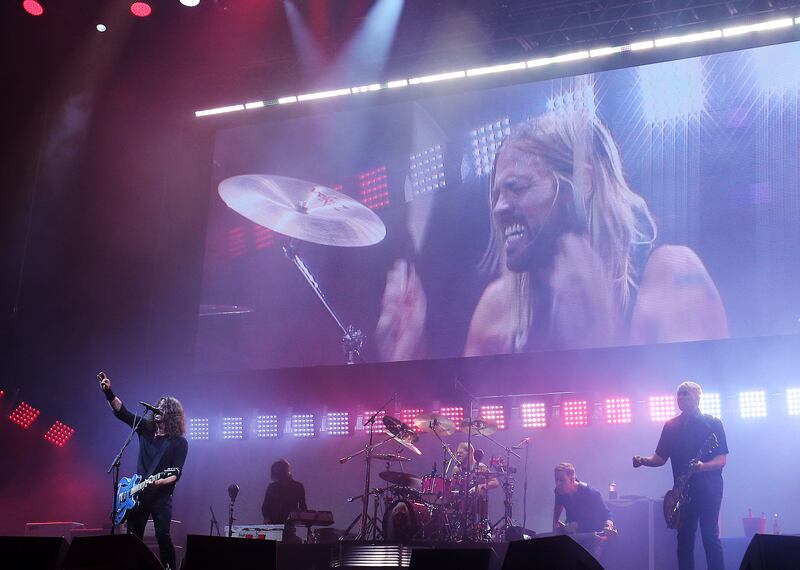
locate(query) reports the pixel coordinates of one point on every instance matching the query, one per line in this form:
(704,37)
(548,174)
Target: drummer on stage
(475,466)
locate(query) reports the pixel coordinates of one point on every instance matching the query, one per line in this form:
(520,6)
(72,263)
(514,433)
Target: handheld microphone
(233,491)
(524,441)
(150,408)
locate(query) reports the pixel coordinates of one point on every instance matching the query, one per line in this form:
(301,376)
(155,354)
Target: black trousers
(159,505)
(703,509)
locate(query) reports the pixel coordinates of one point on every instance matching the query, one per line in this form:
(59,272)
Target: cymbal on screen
(302,210)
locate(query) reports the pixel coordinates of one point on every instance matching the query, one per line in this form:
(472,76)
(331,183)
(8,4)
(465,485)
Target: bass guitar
(677,498)
(130,487)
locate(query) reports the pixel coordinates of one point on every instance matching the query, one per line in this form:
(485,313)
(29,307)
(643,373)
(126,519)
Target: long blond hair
(615,218)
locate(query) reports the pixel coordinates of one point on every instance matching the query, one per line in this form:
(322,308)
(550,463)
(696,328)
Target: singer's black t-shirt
(150,447)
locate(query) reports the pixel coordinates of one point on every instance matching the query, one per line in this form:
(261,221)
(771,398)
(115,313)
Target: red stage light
(33,8)
(24,415)
(374,188)
(575,413)
(141,9)
(59,434)
(2,393)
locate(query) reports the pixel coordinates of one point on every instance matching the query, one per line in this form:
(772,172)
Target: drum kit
(440,506)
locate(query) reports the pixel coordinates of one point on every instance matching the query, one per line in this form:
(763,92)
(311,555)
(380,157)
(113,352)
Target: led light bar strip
(506,67)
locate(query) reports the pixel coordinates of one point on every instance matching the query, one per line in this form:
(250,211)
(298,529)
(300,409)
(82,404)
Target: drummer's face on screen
(523,197)
(461,454)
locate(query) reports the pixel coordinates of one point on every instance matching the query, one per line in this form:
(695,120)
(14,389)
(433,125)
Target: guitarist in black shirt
(161,446)
(681,440)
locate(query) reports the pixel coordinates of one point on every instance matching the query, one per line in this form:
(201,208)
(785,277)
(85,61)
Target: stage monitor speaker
(460,558)
(214,552)
(556,552)
(772,552)
(110,552)
(32,552)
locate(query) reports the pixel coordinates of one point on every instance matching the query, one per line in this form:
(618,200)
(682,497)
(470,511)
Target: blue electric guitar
(130,487)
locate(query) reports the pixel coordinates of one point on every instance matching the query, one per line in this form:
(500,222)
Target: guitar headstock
(710,445)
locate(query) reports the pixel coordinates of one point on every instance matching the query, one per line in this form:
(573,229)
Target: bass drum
(405,521)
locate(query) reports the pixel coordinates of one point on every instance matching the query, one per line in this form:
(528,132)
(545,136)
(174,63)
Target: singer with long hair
(162,445)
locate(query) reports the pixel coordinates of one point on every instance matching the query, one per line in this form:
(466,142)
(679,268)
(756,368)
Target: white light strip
(219,110)
(600,52)
(437,77)
(495,69)
(366,88)
(770,25)
(539,62)
(689,38)
(558,58)
(323,94)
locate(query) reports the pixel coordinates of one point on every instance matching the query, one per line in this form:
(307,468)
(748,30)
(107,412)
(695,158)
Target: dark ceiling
(226,50)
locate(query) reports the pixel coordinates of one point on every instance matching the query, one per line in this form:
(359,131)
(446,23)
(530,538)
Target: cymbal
(401,433)
(396,427)
(401,479)
(407,441)
(390,457)
(480,427)
(302,210)
(436,423)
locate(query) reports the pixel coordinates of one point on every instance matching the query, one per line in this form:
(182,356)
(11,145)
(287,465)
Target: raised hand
(582,311)
(105,381)
(399,333)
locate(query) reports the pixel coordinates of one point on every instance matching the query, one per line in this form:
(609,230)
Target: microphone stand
(213,523)
(230,518)
(525,489)
(114,470)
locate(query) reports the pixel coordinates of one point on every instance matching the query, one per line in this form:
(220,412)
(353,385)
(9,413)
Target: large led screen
(644,205)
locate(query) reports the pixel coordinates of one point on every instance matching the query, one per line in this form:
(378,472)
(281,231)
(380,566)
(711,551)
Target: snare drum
(406,520)
(435,490)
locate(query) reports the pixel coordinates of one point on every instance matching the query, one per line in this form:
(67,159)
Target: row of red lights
(139,9)
(24,415)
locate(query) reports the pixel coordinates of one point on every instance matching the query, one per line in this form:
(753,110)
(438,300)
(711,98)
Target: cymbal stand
(507,519)
(366,520)
(466,470)
(446,451)
(353,339)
